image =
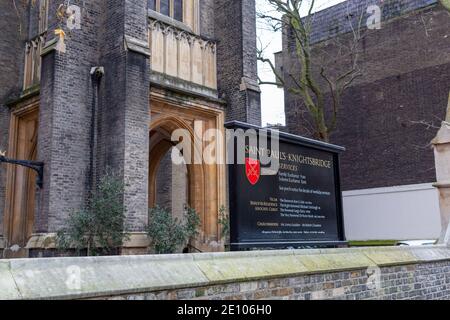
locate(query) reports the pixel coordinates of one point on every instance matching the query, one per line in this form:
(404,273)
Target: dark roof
(335,20)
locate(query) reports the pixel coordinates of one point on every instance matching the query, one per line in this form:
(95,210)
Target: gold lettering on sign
(291,157)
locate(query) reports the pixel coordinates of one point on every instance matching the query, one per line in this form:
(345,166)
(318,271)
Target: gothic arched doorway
(205,183)
(173,186)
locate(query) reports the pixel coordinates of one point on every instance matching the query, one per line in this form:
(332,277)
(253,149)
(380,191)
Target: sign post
(286,191)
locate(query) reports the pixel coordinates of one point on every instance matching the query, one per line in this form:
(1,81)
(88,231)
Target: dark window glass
(164,7)
(152,4)
(178,10)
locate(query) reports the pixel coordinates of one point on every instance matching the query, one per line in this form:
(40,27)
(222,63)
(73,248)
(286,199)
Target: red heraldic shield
(253,170)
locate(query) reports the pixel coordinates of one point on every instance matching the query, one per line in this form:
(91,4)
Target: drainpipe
(96,74)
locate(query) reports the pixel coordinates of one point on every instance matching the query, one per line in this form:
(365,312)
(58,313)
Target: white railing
(182,54)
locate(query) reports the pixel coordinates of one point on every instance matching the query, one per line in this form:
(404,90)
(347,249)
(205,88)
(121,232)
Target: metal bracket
(35,165)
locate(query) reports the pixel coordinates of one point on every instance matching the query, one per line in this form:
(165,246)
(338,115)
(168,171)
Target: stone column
(113,35)
(441,145)
(124,116)
(64,119)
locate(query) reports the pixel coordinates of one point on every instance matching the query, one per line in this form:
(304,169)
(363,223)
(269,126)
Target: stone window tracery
(43,16)
(170,8)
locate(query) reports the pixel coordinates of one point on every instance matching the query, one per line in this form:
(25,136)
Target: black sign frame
(236,241)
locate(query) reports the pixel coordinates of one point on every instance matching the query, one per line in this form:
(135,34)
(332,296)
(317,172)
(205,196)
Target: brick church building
(388,116)
(132,73)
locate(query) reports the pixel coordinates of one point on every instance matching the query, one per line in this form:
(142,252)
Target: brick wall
(12,40)
(391,113)
(429,281)
(65,120)
(164,192)
(359,273)
(68,98)
(207,14)
(333,21)
(125,116)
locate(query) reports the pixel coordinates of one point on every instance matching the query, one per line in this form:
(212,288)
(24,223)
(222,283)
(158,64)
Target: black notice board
(299,206)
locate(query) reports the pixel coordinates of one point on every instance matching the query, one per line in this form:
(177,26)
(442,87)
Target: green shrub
(167,234)
(98,228)
(224,222)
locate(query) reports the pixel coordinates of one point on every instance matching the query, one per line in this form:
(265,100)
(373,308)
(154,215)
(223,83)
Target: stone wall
(207,18)
(171,186)
(366,273)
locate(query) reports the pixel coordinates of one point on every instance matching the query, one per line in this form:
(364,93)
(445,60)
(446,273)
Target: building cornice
(136,45)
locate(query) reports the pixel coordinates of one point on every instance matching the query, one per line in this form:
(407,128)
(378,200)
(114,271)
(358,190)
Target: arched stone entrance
(160,144)
(206,182)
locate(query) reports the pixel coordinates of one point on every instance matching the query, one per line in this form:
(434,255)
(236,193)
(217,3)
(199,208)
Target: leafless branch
(318,70)
(427,124)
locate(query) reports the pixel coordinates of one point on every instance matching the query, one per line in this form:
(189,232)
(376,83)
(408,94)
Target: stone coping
(47,241)
(57,278)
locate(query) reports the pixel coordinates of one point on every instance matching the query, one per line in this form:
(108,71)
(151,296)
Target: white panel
(157,45)
(188,16)
(394,213)
(171,54)
(197,63)
(185,59)
(209,67)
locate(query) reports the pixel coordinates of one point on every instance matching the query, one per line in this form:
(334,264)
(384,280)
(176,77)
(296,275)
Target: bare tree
(320,70)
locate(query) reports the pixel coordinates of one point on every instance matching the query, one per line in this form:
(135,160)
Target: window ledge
(168,20)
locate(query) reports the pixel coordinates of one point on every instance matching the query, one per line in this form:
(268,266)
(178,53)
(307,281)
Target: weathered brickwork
(164,190)
(236,58)
(66,104)
(389,115)
(12,38)
(333,21)
(207,14)
(409,282)
(131,104)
